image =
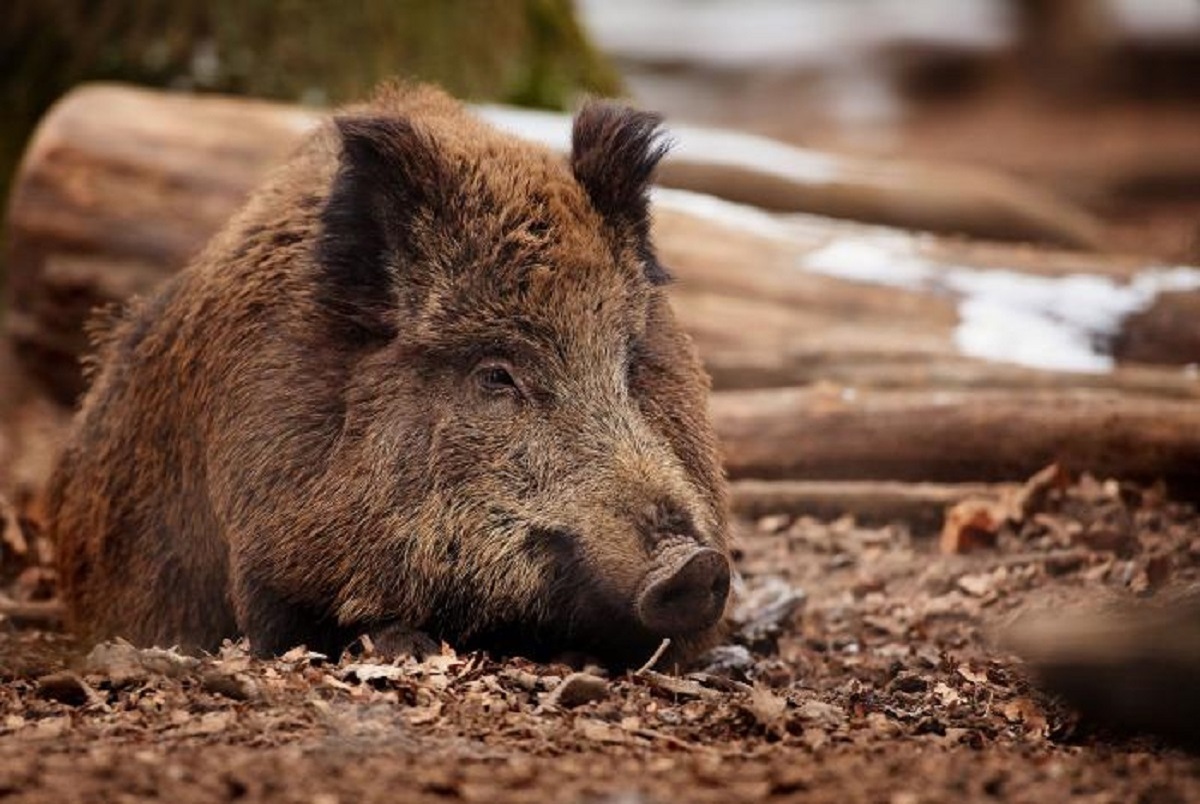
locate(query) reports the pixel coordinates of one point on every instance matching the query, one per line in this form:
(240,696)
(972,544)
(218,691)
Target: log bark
(117,189)
(772,175)
(870,502)
(120,186)
(46,615)
(951,436)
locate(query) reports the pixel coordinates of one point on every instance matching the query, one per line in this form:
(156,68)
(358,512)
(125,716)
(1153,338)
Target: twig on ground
(654,657)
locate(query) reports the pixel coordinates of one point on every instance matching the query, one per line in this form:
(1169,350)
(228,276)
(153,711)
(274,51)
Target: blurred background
(1098,100)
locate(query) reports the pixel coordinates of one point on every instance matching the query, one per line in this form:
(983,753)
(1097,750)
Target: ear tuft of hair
(614,152)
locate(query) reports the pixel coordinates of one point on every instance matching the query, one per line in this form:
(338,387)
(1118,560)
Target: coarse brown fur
(427,378)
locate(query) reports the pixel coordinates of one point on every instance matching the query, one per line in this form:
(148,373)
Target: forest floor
(865,664)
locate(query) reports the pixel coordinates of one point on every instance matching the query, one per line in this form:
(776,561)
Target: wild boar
(426,381)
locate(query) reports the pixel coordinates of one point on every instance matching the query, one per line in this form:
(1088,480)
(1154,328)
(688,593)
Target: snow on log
(769,174)
(120,186)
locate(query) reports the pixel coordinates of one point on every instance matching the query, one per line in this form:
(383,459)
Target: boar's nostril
(686,595)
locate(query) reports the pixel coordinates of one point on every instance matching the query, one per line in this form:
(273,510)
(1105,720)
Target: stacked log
(823,372)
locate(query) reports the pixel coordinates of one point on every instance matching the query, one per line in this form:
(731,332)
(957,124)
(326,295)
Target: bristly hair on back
(614,153)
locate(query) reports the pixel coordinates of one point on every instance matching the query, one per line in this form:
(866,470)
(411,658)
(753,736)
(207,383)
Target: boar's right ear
(389,179)
(614,152)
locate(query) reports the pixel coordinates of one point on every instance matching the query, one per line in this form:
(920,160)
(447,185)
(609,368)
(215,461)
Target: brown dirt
(864,666)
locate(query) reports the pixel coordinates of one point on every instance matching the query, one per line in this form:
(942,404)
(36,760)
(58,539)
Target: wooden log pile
(842,351)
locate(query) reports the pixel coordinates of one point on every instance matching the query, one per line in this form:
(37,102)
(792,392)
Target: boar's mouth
(682,595)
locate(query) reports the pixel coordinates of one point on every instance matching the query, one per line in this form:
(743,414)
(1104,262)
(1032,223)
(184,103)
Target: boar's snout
(685,591)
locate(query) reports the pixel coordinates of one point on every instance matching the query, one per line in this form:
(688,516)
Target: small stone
(576,690)
(727,660)
(975,585)
(64,687)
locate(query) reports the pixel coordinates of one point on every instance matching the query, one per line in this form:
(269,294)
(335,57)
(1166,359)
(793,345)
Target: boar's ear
(389,179)
(614,151)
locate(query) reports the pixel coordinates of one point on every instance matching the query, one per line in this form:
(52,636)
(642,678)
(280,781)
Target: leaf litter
(862,663)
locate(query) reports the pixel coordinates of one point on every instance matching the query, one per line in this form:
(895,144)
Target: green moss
(528,52)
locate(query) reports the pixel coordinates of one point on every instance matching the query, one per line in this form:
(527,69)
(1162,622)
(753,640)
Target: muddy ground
(865,664)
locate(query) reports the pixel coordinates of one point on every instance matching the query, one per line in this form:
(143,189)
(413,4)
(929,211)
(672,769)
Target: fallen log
(870,502)
(120,186)
(953,436)
(116,190)
(765,173)
(777,300)
(738,368)
(46,615)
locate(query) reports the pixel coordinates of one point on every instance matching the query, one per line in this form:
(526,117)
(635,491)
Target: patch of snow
(551,129)
(741,33)
(1063,323)
(996,330)
(884,259)
(694,143)
(726,213)
(762,154)
(1155,19)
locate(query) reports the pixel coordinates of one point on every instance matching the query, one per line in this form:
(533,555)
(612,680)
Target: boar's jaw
(681,595)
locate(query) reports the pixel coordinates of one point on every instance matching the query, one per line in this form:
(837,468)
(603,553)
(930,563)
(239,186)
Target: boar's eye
(496,378)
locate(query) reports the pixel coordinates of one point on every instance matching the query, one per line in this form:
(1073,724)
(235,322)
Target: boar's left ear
(614,151)
(389,178)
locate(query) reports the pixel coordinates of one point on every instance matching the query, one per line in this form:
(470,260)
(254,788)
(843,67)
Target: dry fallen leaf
(821,713)
(1026,712)
(598,731)
(366,673)
(974,676)
(125,665)
(767,708)
(420,715)
(972,525)
(947,695)
(210,723)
